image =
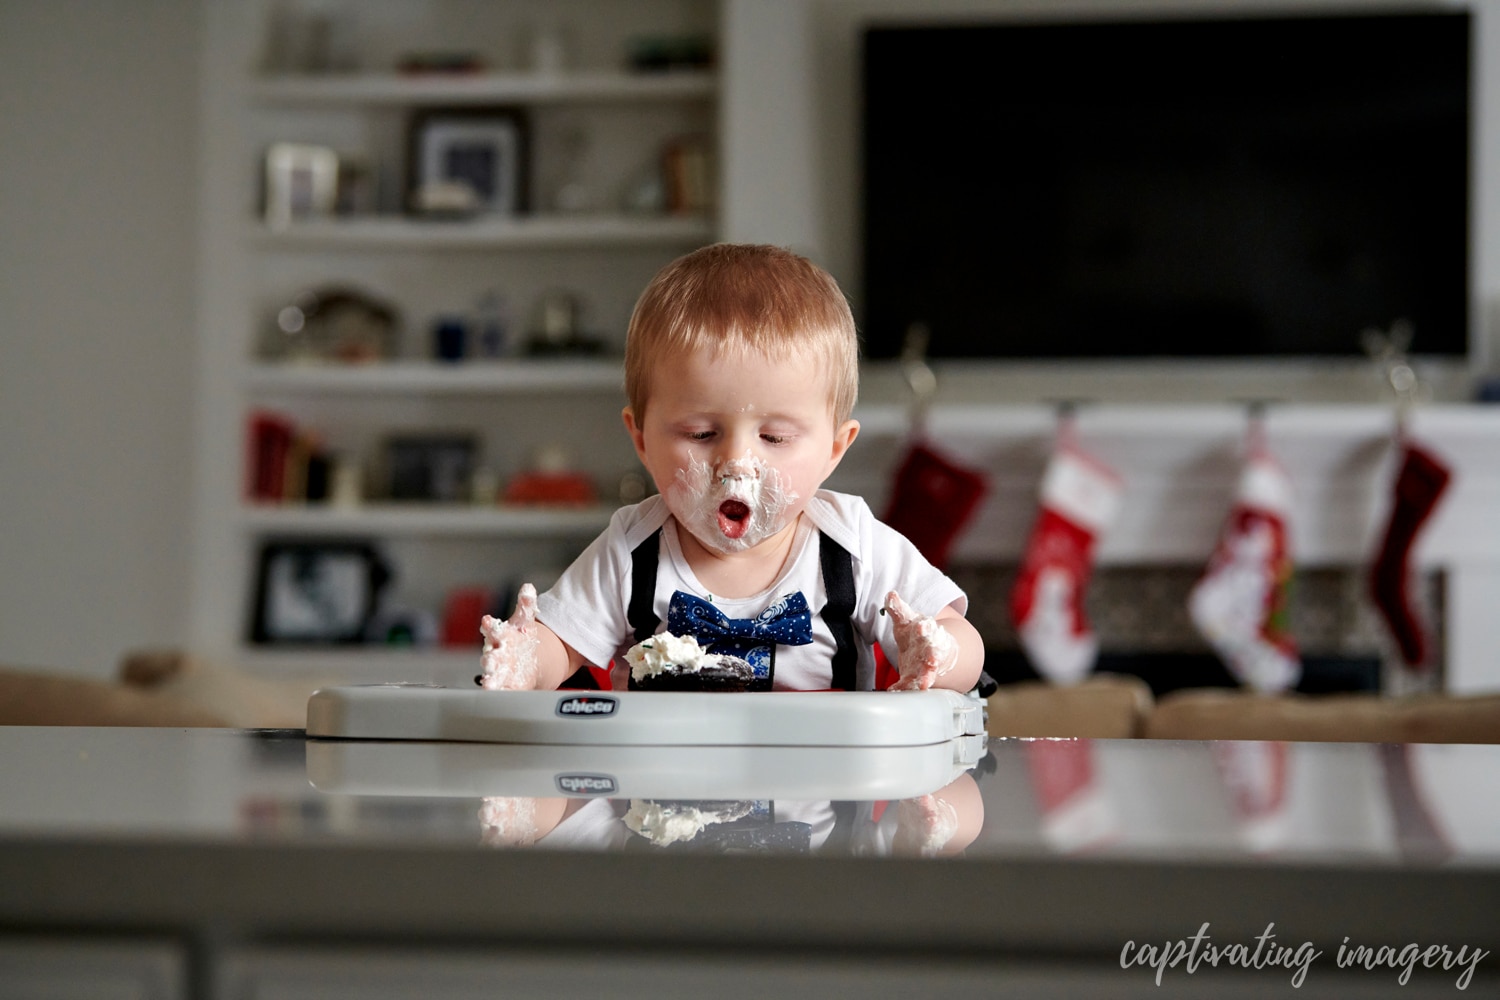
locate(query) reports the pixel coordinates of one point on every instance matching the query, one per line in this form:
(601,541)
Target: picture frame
(431,467)
(468,162)
(322,592)
(302,182)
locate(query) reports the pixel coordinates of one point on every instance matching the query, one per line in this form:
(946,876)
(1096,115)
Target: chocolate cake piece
(718,673)
(665,662)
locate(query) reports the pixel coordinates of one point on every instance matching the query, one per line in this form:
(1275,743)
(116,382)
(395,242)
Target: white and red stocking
(1079,499)
(1420,484)
(1240,603)
(1078,814)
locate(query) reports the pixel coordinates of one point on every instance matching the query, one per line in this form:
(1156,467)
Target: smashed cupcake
(666,662)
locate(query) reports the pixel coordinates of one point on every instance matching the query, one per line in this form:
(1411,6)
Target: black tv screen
(1226,187)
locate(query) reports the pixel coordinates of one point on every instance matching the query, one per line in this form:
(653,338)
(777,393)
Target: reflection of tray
(643,718)
(460,770)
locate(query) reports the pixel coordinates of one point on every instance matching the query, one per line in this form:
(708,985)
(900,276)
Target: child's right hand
(509,661)
(924,826)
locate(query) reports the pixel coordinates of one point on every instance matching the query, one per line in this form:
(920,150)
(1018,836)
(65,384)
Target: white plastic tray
(643,718)
(464,770)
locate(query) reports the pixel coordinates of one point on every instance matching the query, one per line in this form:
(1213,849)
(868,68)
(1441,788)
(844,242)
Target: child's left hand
(508,822)
(925,650)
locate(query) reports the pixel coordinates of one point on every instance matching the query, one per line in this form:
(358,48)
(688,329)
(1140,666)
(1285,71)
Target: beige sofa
(154,688)
(1120,707)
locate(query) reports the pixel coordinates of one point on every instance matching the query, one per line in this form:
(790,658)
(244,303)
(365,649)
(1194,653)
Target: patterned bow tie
(787,622)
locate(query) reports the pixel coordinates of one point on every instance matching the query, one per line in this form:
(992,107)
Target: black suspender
(838,581)
(640,613)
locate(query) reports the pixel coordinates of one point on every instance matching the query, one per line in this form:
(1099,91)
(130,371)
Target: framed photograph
(437,468)
(317,593)
(468,162)
(302,182)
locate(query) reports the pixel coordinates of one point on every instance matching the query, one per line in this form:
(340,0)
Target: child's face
(737,447)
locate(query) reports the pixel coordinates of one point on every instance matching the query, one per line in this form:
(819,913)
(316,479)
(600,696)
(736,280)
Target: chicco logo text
(586,784)
(586,706)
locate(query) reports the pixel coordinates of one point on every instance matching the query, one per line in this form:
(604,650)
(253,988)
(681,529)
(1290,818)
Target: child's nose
(739,447)
(739,463)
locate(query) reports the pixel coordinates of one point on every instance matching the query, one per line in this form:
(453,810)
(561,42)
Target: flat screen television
(1219,187)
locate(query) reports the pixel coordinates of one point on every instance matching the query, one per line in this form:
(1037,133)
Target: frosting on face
(732,506)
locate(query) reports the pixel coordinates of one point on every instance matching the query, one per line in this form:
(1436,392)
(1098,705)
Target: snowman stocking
(1239,604)
(1079,498)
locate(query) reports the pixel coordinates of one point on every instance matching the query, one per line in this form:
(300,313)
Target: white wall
(98,178)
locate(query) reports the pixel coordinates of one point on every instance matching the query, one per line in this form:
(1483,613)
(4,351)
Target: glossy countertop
(1030,845)
(1319,803)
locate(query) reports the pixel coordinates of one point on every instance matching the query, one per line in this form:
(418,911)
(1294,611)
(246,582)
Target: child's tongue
(734,518)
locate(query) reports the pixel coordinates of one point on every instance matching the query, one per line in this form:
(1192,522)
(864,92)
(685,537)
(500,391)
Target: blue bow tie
(787,622)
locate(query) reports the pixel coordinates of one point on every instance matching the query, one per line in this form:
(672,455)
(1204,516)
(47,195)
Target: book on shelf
(285,463)
(688,168)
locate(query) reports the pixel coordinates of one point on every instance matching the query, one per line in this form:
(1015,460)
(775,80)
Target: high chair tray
(645,718)
(473,770)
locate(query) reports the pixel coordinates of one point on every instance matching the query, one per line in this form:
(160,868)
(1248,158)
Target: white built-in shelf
(399,232)
(422,519)
(513,376)
(486,88)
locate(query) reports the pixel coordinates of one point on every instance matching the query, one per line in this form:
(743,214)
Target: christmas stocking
(1419,487)
(1078,814)
(1079,499)
(931,501)
(1239,605)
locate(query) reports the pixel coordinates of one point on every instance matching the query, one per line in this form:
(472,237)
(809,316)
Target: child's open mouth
(734,518)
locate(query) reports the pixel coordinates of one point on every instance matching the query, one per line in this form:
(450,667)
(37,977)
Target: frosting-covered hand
(924,826)
(508,822)
(509,661)
(925,650)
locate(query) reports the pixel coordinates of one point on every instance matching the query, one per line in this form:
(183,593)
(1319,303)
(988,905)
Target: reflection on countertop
(1265,802)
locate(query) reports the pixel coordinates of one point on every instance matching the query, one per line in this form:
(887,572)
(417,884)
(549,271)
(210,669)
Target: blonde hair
(747,299)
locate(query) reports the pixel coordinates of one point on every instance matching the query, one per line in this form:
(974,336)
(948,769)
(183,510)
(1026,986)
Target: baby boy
(741,371)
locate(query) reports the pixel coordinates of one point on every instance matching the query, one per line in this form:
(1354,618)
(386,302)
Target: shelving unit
(405,90)
(591,118)
(436,378)
(525,233)
(416,519)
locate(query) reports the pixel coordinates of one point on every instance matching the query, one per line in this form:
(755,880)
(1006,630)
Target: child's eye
(775,438)
(699,435)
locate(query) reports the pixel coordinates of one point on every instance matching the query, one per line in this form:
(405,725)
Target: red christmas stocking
(1419,486)
(1079,499)
(1239,605)
(931,501)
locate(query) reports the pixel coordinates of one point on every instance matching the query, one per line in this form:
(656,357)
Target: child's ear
(636,432)
(843,437)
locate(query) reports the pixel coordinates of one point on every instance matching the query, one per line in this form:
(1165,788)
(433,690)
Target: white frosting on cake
(668,823)
(665,651)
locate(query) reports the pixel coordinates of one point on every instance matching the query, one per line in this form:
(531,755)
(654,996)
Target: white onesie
(588,606)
